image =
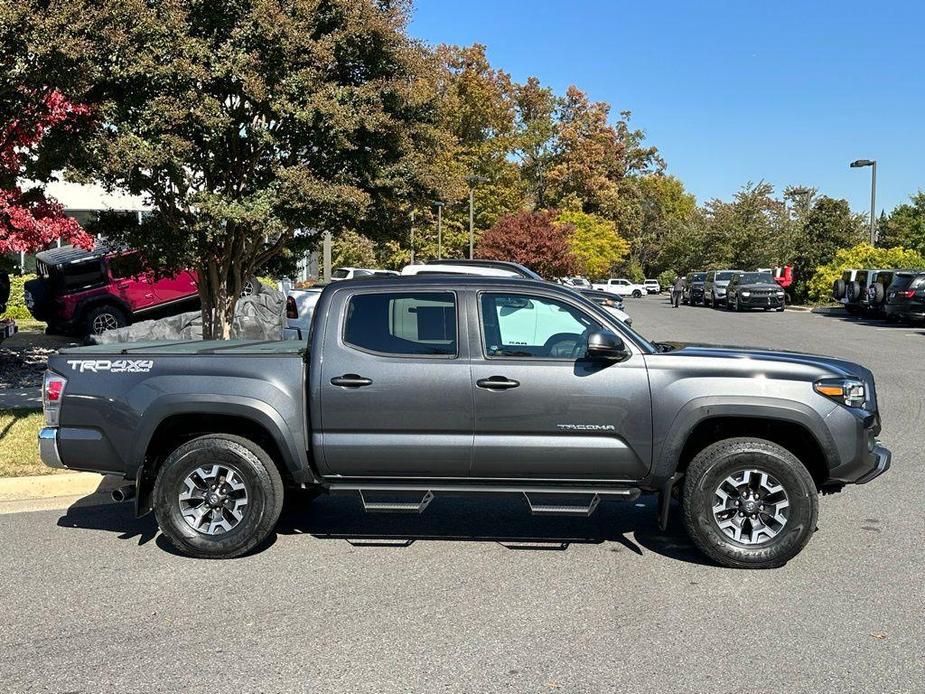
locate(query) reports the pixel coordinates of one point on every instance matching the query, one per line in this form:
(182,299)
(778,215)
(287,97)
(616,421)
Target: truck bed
(196,347)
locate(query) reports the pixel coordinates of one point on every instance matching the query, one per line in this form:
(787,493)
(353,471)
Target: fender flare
(698,410)
(257,411)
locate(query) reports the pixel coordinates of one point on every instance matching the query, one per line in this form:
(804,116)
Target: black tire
(780,309)
(264,488)
(101,318)
(713,303)
(637,294)
(724,458)
(853,291)
(838,288)
(878,294)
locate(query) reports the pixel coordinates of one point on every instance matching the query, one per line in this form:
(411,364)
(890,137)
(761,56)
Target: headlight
(746,293)
(846,391)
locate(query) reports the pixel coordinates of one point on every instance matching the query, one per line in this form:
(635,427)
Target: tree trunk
(219,292)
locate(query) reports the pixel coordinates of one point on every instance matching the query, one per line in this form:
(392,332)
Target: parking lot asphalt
(478,596)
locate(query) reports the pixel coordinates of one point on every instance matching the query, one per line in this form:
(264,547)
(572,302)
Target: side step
(538,508)
(543,500)
(395,506)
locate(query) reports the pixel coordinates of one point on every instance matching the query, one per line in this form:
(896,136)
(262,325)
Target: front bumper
(48,447)
(761,301)
(882,458)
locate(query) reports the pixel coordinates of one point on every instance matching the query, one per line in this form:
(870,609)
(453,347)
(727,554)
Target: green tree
(664,208)
(827,227)
(905,225)
(352,249)
(243,122)
(594,243)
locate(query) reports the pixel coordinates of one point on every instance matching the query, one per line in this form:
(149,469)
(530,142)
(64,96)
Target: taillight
(907,293)
(52,394)
(292,311)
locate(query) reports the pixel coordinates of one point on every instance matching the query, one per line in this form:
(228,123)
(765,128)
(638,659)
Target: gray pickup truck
(411,387)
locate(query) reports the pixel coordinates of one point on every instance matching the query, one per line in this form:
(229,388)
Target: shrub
(16,306)
(858,257)
(666,278)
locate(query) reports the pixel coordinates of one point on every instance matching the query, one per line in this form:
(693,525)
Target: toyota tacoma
(410,387)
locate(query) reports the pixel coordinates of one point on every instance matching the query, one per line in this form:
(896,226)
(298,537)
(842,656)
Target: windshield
(698,277)
(724,276)
(757,278)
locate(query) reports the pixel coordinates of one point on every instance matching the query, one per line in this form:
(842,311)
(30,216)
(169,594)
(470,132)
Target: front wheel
(218,496)
(749,503)
(637,294)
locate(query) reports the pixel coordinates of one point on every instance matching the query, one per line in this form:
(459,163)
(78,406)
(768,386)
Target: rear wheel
(218,496)
(637,294)
(749,503)
(102,318)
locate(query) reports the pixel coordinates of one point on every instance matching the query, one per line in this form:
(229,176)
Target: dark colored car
(8,325)
(87,292)
(905,299)
(754,290)
(693,288)
(413,387)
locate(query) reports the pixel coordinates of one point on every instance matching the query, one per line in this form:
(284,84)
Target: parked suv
(87,292)
(652,286)
(754,290)
(905,299)
(7,326)
(693,288)
(851,289)
(714,287)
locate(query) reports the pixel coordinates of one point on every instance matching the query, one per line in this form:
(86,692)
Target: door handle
(351,381)
(497,383)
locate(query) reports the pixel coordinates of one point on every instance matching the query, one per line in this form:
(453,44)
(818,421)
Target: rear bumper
(48,447)
(7,329)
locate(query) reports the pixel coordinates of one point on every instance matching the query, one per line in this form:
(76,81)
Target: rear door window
(82,275)
(403,324)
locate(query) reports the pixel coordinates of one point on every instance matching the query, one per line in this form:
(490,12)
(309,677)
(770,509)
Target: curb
(51,486)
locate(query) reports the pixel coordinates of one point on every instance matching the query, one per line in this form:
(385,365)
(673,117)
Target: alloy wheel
(214,499)
(751,507)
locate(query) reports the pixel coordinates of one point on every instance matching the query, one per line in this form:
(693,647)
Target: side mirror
(606,345)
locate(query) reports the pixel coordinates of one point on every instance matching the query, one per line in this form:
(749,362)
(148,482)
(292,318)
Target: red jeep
(87,292)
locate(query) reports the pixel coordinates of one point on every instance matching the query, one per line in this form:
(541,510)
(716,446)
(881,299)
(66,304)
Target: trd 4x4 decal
(115,366)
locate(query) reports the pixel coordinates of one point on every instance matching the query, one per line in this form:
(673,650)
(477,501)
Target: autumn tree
(594,243)
(243,122)
(533,239)
(36,122)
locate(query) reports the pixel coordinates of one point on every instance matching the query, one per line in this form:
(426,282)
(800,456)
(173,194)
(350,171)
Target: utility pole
(326,255)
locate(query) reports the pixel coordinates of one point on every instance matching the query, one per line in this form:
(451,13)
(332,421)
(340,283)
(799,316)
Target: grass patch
(19,448)
(30,325)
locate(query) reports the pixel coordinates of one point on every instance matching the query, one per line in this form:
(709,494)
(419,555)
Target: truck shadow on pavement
(629,527)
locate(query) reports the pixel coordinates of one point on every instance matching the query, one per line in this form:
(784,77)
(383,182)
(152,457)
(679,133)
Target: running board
(547,509)
(395,506)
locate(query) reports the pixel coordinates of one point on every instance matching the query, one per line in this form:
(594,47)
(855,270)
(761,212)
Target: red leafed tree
(29,221)
(533,239)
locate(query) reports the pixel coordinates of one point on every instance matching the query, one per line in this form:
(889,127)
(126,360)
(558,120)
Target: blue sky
(730,92)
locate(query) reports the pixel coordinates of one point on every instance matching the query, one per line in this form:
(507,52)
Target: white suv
(652,286)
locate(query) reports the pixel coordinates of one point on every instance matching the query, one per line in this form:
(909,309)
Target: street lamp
(439,228)
(472,181)
(873,194)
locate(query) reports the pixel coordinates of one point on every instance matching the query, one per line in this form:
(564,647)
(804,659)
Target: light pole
(439,228)
(873,194)
(472,181)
